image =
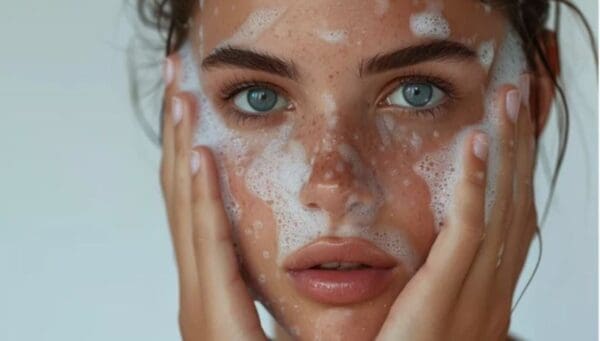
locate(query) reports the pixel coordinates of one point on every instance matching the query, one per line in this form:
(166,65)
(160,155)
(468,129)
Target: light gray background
(84,248)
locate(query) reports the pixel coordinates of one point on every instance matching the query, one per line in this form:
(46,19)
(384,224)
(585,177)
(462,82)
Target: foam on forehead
(431,22)
(333,36)
(256,23)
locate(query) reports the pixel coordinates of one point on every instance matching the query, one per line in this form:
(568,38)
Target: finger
(167,164)
(484,266)
(434,288)
(479,282)
(183,105)
(224,292)
(519,237)
(509,99)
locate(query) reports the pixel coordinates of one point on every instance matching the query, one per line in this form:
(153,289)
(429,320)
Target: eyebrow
(436,50)
(406,56)
(249,59)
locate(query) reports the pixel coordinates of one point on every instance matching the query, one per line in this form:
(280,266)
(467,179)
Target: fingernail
(480,146)
(513,103)
(195,162)
(177,110)
(168,71)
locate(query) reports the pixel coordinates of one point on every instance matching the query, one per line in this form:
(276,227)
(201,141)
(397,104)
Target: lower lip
(341,287)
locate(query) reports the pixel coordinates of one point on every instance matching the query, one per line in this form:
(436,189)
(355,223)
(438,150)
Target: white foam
(212,130)
(416,141)
(439,169)
(330,108)
(256,23)
(430,23)
(381,7)
(277,176)
(383,130)
(333,36)
(486,54)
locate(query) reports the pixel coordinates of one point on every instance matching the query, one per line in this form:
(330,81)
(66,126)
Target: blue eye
(416,96)
(258,100)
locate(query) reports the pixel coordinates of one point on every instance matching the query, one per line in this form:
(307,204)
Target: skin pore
(343,154)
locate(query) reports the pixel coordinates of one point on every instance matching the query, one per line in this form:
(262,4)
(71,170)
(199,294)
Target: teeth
(331,265)
(340,266)
(344,266)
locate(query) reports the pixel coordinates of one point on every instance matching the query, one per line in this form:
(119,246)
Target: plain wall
(85,252)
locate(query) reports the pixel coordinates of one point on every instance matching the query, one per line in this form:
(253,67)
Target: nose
(342,187)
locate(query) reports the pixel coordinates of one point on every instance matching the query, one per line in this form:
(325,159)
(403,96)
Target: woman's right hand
(214,303)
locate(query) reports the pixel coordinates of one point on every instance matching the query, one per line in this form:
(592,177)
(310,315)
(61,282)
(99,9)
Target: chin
(304,317)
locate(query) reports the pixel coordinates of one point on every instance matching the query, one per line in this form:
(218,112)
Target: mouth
(340,270)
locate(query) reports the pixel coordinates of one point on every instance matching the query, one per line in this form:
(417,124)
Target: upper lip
(348,250)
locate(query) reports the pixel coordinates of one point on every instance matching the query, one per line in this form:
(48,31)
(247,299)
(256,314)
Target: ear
(542,81)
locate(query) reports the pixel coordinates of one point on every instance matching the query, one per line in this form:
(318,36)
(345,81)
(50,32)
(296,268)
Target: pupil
(417,94)
(262,99)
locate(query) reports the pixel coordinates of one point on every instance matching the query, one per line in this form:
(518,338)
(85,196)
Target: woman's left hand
(464,289)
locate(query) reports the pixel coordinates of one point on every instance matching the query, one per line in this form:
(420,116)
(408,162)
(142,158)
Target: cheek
(409,207)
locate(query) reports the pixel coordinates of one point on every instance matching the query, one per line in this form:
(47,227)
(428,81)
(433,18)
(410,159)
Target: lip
(340,286)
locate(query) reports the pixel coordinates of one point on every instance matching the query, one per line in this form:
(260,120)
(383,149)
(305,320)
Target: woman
(362,168)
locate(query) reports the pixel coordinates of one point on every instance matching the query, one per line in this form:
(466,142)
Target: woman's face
(334,124)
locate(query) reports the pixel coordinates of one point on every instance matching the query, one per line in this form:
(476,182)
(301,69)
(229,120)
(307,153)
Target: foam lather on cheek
(277,176)
(430,23)
(212,131)
(439,169)
(256,23)
(510,64)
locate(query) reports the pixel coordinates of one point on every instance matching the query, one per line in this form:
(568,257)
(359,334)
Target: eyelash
(233,87)
(447,88)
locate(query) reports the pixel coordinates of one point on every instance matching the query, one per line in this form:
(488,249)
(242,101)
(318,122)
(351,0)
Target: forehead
(324,30)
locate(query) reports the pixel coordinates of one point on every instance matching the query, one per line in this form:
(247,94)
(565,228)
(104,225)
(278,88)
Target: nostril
(312,205)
